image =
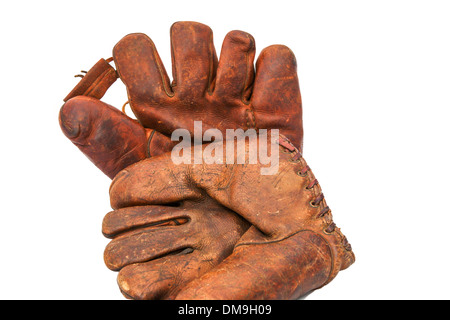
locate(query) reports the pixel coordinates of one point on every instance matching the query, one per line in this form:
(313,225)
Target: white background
(375,79)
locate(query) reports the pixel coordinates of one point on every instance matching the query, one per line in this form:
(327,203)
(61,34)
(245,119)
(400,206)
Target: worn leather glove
(170,226)
(225,94)
(114,141)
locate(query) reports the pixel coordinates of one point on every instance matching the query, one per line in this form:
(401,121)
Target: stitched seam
(128,92)
(174,66)
(246,102)
(249,109)
(333,270)
(211,64)
(250,120)
(161,74)
(272,241)
(148,143)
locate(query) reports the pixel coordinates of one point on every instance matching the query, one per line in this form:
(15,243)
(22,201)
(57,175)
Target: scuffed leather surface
(110,139)
(148,249)
(96,81)
(161,244)
(225,94)
(287,236)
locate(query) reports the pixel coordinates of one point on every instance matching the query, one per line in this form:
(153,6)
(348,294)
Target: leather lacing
(83,73)
(296,158)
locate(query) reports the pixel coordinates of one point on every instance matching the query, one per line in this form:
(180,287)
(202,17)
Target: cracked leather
(271,244)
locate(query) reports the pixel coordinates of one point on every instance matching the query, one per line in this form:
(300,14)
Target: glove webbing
(96,81)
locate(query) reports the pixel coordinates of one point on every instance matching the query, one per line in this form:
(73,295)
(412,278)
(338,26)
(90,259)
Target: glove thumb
(109,138)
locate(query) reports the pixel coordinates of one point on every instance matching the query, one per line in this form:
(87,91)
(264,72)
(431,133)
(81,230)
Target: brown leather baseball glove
(225,94)
(168,229)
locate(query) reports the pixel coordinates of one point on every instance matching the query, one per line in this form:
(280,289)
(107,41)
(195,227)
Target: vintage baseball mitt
(167,229)
(228,94)
(225,94)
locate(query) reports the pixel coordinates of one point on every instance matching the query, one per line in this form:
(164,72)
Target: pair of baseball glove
(197,229)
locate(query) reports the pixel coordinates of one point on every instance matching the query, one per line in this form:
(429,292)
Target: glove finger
(276,97)
(281,270)
(194,59)
(235,72)
(276,71)
(165,183)
(109,138)
(125,219)
(162,278)
(145,244)
(140,68)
